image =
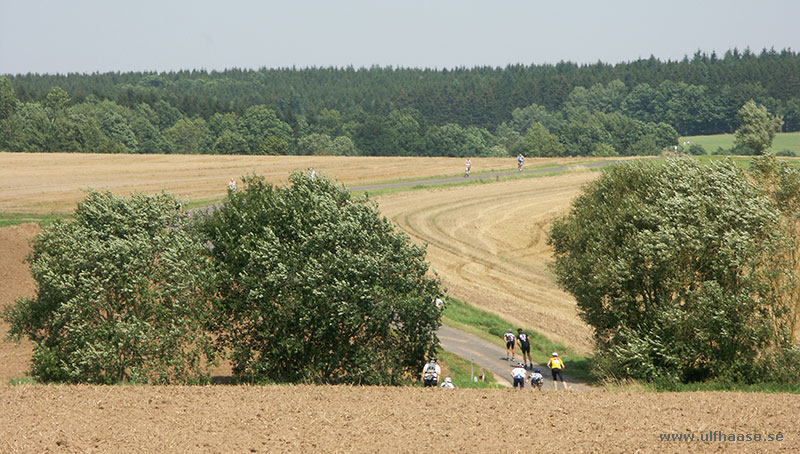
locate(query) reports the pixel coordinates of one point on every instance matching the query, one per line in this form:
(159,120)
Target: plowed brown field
(220,419)
(15,281)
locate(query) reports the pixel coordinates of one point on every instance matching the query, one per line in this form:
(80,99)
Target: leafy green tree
(403,133)
(8,104)
(498,151)
(343,146)
(315,144)
(523,119)
(149,138)
(166,115)
(122,295)
(56,103)
(328,121)
(664,135)
(541,143)
(582,137)
(757,128)
(453,140)
(189,136)
(264,132)
(678,268)
(230,142)
(28,129)
(316,286)
(117,128)
(640,103)
(508,138)
(645,146)
(8,98)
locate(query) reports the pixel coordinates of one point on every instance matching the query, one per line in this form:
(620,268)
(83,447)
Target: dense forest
(566,109)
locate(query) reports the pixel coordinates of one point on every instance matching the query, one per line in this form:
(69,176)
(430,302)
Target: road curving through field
(488,244)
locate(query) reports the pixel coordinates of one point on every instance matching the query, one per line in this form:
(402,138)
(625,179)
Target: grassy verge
(491,327)
(474,173)
(8,219)
(461,372)
(465,182)
(194,204)
(17,381)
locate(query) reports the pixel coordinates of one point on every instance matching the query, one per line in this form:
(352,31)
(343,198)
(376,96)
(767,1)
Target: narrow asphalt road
(487,176)
(492,358)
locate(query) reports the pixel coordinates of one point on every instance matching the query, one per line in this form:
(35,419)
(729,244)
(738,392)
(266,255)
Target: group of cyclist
(519,370)
(431,371)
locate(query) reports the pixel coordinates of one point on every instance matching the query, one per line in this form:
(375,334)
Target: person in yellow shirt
(556,365)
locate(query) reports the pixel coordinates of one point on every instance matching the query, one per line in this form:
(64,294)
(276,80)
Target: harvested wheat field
(488,243)
(44,183)
(374,419)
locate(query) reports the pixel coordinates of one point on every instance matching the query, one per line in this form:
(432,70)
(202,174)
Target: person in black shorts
(510,343)
(557,366)
(525,347)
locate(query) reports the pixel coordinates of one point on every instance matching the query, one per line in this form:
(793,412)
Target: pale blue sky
(60,36)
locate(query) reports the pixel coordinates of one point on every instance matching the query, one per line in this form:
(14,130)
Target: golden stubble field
(44,183)
(486,241)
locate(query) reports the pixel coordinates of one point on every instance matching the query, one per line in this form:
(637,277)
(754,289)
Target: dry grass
(45,183)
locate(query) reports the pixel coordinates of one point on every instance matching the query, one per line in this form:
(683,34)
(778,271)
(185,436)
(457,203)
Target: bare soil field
(223,419)
(15,281)
(45,183)
(488,243)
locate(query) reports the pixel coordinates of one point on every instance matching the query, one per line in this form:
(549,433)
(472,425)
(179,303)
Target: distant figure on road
(467,167)
(525,347)
(430,373)
(448,384)
(232,185)
(556,365)
(537,380)
(518,374)
(509,338)
(520,161)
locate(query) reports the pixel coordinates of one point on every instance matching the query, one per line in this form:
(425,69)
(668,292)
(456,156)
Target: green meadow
(786,141)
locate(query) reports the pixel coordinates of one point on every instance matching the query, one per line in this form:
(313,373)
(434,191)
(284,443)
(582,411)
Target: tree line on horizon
(566,109)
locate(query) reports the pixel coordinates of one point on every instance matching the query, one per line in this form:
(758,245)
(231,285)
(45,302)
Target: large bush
(316,286)
(122,293)
(680,269)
